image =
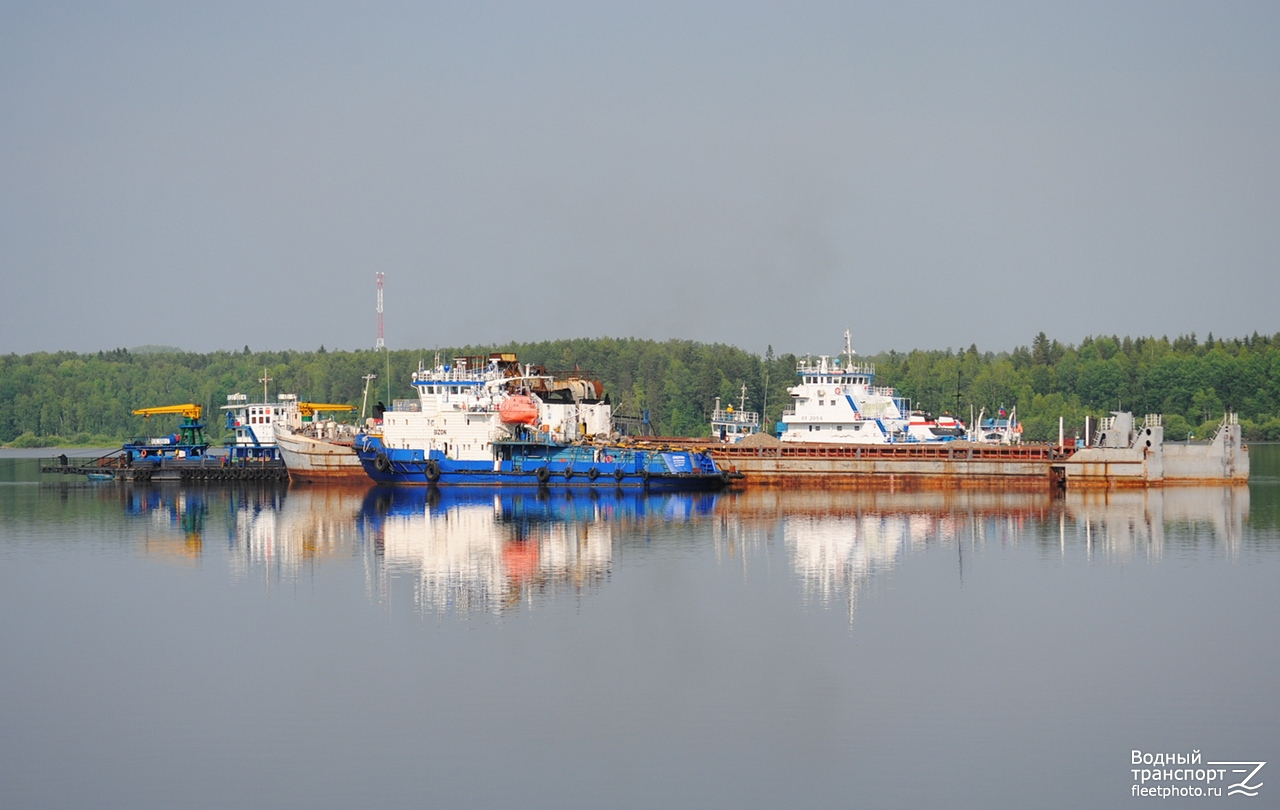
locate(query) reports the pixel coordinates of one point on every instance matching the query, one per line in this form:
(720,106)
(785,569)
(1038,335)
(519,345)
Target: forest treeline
(64,397)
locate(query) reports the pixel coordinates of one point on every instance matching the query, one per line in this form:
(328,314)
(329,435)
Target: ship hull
(312,460)
(672,471)
(963,465)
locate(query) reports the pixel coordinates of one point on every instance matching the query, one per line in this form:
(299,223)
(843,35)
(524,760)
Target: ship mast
(367,378)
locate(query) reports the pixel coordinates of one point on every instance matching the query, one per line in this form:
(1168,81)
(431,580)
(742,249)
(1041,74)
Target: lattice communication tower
(382,343)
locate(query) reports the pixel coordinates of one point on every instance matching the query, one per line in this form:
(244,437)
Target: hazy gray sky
(927,174)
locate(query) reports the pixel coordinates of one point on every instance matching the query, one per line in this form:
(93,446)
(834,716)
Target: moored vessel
(317,449)
(488,421)
(183,456)
(1127,453)
(251,425)
(838,402)
(1123,454)
(732,426)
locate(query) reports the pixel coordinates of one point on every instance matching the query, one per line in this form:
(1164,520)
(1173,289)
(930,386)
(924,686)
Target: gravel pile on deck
(760,440)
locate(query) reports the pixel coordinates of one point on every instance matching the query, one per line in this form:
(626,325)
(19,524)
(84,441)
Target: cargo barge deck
(1126,454)
(904,466)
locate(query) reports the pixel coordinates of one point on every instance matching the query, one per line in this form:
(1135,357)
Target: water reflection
(838,543)
(479,551)
(276,532)
(489,551)
(170,523)
(1127,524)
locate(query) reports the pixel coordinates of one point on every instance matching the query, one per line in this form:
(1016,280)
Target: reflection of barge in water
(1125,455)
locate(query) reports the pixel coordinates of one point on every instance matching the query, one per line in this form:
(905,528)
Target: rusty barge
(893,466)
(1125,454)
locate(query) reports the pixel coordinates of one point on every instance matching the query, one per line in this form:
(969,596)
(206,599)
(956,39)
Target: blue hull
(546,466)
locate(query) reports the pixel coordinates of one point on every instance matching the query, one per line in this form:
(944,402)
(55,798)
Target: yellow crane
(190,432)
(308,409)
(189,410)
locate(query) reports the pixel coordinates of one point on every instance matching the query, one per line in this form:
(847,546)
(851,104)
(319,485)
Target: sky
(927,175)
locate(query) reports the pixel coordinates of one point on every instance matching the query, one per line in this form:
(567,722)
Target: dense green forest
(52,398)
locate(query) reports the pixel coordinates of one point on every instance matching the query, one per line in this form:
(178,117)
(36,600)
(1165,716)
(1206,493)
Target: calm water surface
(319,647)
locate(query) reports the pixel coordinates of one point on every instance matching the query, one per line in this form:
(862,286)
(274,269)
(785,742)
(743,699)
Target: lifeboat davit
(518,410)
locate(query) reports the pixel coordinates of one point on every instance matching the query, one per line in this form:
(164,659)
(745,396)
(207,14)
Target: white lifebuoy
(837,391)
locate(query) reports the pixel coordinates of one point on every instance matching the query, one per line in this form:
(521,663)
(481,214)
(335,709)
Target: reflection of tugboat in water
(493,550)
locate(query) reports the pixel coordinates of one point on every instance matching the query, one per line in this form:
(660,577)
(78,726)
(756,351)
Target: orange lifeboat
(518,410)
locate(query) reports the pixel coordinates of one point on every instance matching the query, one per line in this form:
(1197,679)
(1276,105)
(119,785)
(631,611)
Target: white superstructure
(461,408)
(252,424)
(732,426)
(838,401)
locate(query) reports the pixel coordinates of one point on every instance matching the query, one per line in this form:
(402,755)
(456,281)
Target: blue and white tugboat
(251,425)
(490,422)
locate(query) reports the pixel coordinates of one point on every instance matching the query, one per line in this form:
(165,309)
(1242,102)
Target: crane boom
(189,410)
(309,408)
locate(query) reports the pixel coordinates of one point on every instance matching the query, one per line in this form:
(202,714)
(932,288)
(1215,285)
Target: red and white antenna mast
(382,343)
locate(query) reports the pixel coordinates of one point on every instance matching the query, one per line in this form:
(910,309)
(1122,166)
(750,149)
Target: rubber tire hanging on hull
(433,471)
(381,463)
(618,475)
(543,475)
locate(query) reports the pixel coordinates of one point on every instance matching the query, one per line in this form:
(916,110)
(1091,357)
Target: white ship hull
(313,460)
